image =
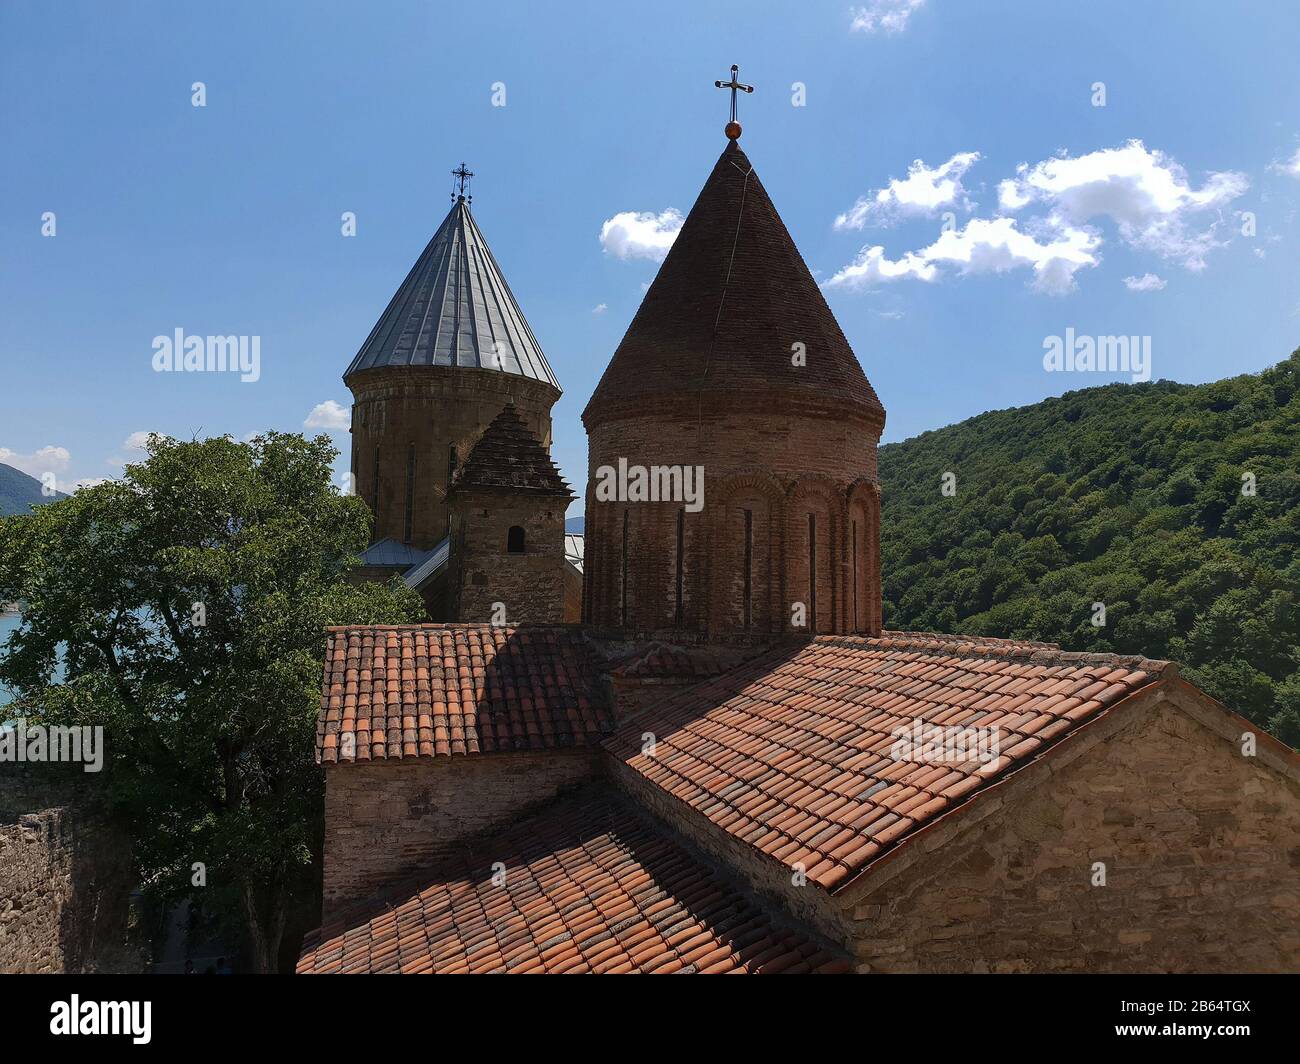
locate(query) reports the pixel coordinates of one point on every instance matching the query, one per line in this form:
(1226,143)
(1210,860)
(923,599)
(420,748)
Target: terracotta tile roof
(508,457)
(686,337)
(439,690)
(591,886)
(795,752)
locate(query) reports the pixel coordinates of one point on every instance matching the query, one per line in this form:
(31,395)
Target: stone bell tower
(449,351)
(507,529)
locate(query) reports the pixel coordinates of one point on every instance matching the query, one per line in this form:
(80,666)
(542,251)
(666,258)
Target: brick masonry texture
(431,409)
(386,820)
(820,467)
(590,885)
(65,877)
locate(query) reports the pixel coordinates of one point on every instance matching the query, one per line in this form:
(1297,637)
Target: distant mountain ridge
(19,492)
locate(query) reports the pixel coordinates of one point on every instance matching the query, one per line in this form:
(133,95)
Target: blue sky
(225,219)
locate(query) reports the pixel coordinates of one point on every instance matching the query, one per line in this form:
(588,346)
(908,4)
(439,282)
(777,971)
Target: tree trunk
(265,928)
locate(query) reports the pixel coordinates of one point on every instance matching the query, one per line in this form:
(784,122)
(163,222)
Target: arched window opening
(515,540)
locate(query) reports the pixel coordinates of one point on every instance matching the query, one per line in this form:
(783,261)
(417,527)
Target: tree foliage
(183,608)
(1136,496)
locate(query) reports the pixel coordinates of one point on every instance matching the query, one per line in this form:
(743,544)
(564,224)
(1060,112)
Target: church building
(690,746)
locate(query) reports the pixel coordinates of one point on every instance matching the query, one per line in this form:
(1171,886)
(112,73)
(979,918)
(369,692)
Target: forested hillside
(18,492)
(1176,506)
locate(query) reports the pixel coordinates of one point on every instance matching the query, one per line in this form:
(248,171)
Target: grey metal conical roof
(455,309)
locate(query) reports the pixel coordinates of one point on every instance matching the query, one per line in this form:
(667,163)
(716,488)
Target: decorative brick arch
(862,540)
(744,553)
(821,497)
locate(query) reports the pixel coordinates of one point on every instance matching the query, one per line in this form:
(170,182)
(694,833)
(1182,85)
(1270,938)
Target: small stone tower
(734,366)
(507,506)
(449,351)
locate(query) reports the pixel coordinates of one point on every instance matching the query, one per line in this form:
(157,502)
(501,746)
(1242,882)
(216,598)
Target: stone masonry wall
(384,821)
(531,585)
(431,409)
(1202,853)
(65,877)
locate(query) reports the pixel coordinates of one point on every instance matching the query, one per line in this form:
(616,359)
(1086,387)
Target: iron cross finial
(733,127)
(462,175)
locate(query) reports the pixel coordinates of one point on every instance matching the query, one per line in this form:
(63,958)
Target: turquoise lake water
(8,623)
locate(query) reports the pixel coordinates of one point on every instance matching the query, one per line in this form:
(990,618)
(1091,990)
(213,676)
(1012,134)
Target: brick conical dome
(781,534)
(727,305)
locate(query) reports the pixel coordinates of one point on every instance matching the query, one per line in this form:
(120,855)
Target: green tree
(183,608)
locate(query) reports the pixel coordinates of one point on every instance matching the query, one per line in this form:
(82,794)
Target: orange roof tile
(440,690)
(811,752)
(590,886)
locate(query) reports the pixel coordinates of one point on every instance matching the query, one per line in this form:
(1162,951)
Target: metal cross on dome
(733,127)
(462,175)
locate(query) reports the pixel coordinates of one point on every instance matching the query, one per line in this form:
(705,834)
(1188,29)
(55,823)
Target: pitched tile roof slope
(509,457)
(686,336)
(790,752)
(591,886)
(441,690)
(455,309)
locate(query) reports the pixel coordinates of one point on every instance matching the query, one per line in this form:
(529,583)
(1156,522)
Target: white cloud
(983,246)
(49,459)
(871,268)
(629,235)
(328,415)
(135,445)
(599,308)
(1145,193)
(883,16)
(1290,166)
(1148,282)
(924,191)
(137,441)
